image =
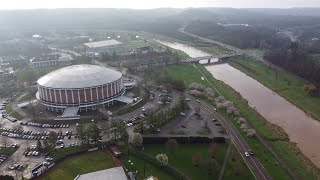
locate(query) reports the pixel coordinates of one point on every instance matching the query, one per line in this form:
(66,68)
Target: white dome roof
(79,76)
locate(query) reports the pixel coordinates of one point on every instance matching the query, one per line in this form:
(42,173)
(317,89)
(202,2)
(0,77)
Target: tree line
(255,37)
(298,60)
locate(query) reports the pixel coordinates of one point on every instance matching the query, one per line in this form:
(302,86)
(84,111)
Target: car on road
(217,124)
(198,101)
(215,109)
(182,114)
(62,146)
(246,154)
(188,99)
(250,152)
(214,120)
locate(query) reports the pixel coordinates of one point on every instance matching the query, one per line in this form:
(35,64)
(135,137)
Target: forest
(302,60)
(257,37)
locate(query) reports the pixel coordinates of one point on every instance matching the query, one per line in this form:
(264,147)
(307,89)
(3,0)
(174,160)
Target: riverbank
(271,133)
(282,83)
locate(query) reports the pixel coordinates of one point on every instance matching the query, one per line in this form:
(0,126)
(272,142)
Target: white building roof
(105,43)
(79,76)
(116,173)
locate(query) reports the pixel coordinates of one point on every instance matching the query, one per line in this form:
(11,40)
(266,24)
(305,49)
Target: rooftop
(107,174)
(104,43)
(79,76)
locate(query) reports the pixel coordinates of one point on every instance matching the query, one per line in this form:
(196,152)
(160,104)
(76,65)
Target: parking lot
(187,124)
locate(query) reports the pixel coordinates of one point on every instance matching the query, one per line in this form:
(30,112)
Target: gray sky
(148,4)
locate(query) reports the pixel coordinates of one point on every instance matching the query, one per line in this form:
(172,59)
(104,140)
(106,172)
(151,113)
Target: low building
(106,46)
(52,59)
(13,60)
(108,174)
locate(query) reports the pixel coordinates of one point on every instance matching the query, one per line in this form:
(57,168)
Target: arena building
(80,87)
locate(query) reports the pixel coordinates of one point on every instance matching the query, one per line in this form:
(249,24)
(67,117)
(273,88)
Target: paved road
(253,163)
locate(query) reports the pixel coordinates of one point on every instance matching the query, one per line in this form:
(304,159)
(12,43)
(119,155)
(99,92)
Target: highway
(252,161)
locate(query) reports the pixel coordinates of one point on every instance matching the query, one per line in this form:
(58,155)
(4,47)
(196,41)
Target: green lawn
(82,60)
(13,113)
(285,84)
(139,164)
(213,50)
(257,52)
(7,151)
(189,74)
(82,164)
(182,159)
(26,97)
(34,74)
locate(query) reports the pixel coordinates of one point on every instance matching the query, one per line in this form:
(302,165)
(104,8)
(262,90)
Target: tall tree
(52,138)
(196,157)
(39,145)
(172,145)
(213,149)
(94,133)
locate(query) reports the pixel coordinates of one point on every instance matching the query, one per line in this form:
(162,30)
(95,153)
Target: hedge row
(152,160)
(183,140)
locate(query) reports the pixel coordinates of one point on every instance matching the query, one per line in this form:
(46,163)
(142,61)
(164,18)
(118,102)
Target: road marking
(237,138)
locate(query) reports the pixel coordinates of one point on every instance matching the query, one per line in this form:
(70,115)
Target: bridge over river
(211,59)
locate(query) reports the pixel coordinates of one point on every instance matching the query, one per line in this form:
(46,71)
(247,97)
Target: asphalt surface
(252,161)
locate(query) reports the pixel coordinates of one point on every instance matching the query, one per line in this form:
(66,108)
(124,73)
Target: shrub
(135,139)
(162,159)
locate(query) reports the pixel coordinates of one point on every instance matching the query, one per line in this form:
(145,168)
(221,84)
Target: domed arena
(83,86)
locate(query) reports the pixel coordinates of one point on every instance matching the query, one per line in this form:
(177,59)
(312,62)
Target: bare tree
(172,145)
(17,127)
(196,159)
(5,141)
(213,149)
(238,169)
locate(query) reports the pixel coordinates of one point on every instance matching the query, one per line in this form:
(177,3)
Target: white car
(246,154)
(182,114)
(129,124)
(49,159)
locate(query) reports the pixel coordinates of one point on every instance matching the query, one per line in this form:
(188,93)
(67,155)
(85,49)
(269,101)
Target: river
(301,128)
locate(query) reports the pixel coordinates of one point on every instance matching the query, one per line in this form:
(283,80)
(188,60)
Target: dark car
(250,152)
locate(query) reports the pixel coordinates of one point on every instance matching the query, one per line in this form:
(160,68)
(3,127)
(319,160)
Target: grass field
(26,97)
(13,113)
(34,74)
(297,162)
(139,164)
(82,164)
(285,84)
(182,159)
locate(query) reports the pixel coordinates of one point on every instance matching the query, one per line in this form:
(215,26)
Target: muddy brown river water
(301,128)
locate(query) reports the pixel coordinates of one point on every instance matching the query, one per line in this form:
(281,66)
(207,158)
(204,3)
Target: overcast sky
(148,4)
